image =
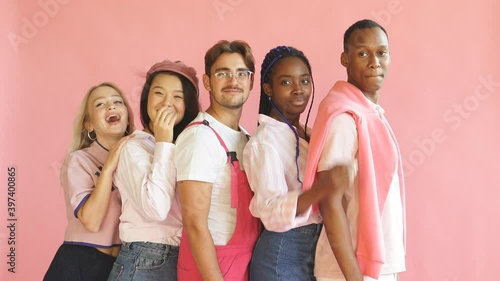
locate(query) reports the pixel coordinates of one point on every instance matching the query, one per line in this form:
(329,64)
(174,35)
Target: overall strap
(231,155)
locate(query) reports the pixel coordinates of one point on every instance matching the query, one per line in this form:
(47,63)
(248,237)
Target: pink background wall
(441,96)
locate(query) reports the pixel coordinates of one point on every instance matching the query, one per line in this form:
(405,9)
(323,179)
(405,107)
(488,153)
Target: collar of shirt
(97,151)
(211,120)
(143,135)
(377,107)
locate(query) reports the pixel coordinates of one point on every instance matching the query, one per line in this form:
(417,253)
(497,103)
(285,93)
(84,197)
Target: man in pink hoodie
(354,147)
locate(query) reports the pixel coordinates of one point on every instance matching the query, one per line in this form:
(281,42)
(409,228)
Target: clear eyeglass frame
(240,75)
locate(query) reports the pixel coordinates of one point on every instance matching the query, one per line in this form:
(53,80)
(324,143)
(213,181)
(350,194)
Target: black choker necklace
(101,145)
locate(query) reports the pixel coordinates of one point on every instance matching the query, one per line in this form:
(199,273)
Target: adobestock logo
(32,25)
(384,16)
(453,117)
(223,6)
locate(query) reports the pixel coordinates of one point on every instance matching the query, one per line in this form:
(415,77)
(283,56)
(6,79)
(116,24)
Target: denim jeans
(144,261)
(79,263)
(285,255)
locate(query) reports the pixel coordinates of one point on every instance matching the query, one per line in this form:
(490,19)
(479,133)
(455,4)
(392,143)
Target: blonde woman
(91,241)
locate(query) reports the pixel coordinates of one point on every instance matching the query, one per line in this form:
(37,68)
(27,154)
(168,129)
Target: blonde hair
(80,137)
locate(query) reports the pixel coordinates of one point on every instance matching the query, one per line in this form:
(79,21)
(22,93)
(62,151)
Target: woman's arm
(92,212)
(274,202)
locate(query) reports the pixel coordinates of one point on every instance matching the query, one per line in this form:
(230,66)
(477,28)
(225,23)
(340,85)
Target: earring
(88,135)
(269,98)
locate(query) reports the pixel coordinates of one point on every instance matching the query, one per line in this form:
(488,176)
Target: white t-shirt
(341,148)
(199,156)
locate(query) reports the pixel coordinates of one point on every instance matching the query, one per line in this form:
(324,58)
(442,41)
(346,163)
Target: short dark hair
(361,24)
(224,46)
(190,102)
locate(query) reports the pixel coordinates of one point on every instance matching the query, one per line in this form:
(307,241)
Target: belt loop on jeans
(127,245)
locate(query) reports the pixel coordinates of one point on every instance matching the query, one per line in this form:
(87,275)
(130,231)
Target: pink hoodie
(377,161)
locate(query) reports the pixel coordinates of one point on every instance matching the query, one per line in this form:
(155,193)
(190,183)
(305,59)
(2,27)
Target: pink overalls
(234,258)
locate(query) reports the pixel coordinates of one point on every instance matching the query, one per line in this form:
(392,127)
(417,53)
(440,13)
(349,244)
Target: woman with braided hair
(274,160)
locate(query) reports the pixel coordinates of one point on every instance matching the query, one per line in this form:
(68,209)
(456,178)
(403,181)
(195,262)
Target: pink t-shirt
(79,175)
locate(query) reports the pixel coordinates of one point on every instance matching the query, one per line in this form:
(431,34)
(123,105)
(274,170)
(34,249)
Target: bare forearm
(307,199)
(327,184)
(339,237)
(339,179)
(93,211)
(204,254)
(195,199)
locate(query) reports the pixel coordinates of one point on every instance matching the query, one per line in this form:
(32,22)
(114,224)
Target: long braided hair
(266,104)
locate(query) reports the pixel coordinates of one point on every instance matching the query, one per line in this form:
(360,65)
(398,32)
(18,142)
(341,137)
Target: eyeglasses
(241,75)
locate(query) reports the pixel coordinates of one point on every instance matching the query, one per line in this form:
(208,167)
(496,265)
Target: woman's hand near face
(164,124)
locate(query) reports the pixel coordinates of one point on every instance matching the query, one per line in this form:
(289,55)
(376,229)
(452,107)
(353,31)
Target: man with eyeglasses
(219,232)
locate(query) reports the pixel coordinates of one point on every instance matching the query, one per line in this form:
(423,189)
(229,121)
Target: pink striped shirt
(269,162)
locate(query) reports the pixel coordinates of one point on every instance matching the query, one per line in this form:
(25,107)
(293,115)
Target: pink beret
(178,67)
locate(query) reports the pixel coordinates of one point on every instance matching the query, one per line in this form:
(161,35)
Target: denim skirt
(285,255)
